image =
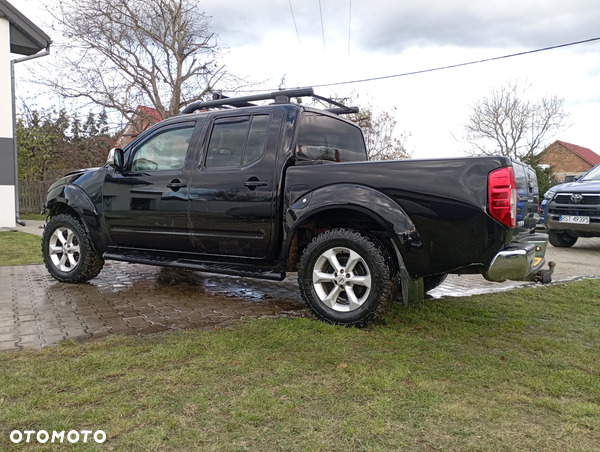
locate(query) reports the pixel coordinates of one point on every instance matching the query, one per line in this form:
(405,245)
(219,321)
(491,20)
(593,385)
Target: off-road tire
(431,282)
(81,266)
(561,239)
(372,267)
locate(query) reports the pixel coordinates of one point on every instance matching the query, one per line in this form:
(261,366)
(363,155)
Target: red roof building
(568,159)
(143,119)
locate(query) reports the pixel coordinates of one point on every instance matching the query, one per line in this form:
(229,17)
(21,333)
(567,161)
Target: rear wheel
(562,239)
(346,277)
(68,252)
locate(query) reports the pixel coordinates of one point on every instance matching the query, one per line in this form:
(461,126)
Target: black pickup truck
(231,187)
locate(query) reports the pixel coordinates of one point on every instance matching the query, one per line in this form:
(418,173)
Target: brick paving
(36,310)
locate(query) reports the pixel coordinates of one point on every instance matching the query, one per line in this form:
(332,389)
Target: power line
(322,27)
(456,65)
(294,19)
(442,67)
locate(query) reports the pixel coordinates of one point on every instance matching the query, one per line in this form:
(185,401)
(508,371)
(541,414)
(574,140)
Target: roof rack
(280,97)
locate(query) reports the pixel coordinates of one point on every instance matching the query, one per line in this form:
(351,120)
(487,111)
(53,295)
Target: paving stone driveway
(36,310)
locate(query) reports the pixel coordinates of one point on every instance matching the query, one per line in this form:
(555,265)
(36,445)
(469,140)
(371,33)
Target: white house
(18,35)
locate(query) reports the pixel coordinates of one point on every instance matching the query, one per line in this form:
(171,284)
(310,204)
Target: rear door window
(237,141)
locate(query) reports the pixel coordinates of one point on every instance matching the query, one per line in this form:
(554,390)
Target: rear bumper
(522,260)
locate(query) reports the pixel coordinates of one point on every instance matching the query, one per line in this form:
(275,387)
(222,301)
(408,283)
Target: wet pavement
(36,310)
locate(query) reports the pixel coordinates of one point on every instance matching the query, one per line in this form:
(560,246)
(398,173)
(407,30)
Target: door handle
(253,183)
(175,185)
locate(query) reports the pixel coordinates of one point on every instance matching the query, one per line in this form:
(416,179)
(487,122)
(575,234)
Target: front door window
(163,151)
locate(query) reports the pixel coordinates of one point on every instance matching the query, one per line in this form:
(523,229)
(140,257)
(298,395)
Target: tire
(359,294)
(431,282)
(68,252)
(562,239)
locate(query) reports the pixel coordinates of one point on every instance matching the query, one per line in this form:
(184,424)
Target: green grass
(33,216)
(513,371)
(19,248)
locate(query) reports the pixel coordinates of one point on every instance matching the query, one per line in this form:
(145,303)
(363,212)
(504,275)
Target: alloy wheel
(341,279)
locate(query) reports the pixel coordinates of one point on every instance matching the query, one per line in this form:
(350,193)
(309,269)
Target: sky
(333,41)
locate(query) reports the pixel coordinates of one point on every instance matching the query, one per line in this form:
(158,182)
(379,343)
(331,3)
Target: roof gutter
(14,121)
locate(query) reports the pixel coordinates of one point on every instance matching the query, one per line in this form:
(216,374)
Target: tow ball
(545,276)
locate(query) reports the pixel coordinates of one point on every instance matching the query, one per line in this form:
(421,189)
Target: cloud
(391,26)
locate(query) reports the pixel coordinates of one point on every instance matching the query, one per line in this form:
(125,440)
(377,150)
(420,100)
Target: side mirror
(115,158)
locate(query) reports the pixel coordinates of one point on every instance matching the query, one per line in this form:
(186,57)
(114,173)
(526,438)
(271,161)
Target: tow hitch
(545,276)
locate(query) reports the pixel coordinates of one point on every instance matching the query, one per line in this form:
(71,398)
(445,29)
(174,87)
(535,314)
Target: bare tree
(509,124)
(379,130)
(119,54)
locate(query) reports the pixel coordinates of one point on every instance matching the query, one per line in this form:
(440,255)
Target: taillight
(502,196)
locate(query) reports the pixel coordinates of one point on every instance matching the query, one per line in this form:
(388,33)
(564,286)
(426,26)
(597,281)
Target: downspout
(14,118)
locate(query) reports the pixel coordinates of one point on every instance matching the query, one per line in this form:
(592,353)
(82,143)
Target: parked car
(572,210)
(263,190)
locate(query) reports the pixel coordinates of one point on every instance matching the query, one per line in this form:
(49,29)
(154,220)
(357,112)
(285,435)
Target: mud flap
(413,290)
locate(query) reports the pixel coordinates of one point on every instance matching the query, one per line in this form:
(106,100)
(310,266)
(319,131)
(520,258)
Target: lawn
(18,248)
(513,371)
(33,216)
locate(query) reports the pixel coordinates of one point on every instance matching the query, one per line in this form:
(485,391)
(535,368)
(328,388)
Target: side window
(163,151)
(325,138)
(521,176)
(532,176)
(237,141)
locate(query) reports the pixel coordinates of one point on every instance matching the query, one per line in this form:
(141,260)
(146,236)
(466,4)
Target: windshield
(594,174)
(324,138)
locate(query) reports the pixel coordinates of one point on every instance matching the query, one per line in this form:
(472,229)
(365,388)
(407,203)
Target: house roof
(150,112)
(25,37)
(586,154)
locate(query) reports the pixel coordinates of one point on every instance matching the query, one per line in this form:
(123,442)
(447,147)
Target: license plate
(573,219)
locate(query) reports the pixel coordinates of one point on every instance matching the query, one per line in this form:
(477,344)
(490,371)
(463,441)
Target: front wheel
(346,277)
(561,239)
(68,252)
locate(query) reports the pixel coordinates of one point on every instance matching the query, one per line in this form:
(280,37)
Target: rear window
(329,139)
